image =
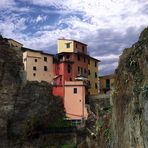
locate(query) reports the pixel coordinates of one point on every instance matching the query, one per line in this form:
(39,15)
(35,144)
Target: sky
(106,26)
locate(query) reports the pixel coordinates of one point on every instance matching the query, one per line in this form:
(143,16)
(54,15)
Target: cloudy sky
(107,26)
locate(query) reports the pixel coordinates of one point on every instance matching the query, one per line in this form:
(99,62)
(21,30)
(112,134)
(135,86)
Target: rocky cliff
(25,107)
(130,98)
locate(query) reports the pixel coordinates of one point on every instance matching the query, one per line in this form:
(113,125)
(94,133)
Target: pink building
(74,100)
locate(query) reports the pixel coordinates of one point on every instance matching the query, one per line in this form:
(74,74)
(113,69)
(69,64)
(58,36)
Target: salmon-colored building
(74,100)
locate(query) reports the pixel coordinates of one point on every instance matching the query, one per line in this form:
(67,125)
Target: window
(34,68)
(95,75)
(45,59)
(70,79)
(78,69)
(83,48)
(88,72)
(34,74)
(84,60)
(25,59)
(45,68)
(88,61)
(84,70)
(108,84)
(89,84)
(67,45)
(76,45)
(68,68)
(75,90)
(78,58)
(68,56)
(81,70)
(96,86)
(35,60)
(95,64)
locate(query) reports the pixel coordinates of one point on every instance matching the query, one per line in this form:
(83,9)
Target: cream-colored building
(15,44)
(68,45)
(93,75)
(38,65)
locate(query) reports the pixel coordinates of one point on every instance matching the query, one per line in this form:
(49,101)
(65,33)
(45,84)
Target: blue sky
(107,26)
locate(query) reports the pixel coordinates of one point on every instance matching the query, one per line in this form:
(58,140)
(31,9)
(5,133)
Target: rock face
(130,98)
(25,107)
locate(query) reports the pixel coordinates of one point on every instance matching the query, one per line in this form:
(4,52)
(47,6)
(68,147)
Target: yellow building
(14,44)
(66,45)
(38,65)
(93,75)
(106,83)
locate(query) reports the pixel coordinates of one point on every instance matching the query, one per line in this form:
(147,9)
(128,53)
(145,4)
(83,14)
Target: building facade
(106,83)
(74,100)
(67,45)
(38,65)
(93,76)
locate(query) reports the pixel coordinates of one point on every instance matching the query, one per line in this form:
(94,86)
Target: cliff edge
(130,98)
(26,108)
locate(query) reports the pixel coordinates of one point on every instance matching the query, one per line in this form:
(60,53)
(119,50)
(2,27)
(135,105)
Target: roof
(94,59)
(72,40)
(110,75)
(15,41)
(78,53)
(39,51)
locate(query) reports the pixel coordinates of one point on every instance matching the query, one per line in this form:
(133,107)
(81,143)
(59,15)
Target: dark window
(108,84)
(96,86)
(88,61)
(88,72)
(78,58)
(84,70)
(81,70)
(95,64)
(45,68)
(45,59)
(84,60)
(70,79)
(35,60)
(34,74)
(68,68)
(76,45)
(78,69)
(83,48)
(89,84)
(25,59)
(68,56)
(34,68)
(95,75)
(75,90)
(67,45)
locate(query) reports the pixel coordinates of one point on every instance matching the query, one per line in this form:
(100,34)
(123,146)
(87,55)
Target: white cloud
(96,15)
(108,57)
(41,18)
(6,3)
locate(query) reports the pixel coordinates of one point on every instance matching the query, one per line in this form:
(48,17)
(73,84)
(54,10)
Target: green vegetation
(104,124)
(52,118)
